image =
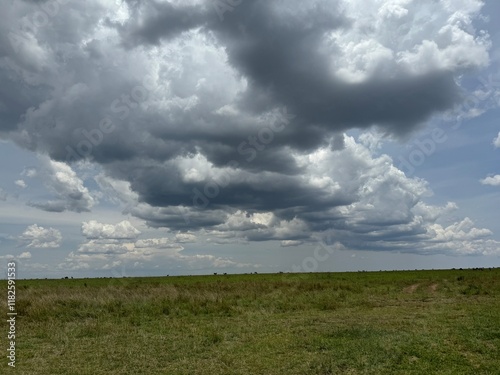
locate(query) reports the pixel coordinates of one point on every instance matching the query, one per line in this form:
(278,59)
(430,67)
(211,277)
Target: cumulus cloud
(460,238)
(460,231)
(68,188)
(342,56)
(39,237)
(121,231)
(491,180)
(25,255)
(111,246)
(351,194)
(237,127)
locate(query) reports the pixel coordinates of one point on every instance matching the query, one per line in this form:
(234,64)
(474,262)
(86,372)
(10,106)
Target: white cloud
(492,180)
(185,237)
(39,237)
(29,172)
(263,226)
(61,180)
(390,36)
(496,141)
(291,243)
(21,184)
(3,195)
(388,210)
(371,140)
(116,191)
(22,256)
(123,230)
(431,213)
(460,238)
(100,247)
(110,254)
(109,246)
(459,231)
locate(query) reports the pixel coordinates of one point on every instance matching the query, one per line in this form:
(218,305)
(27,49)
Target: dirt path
(411,289)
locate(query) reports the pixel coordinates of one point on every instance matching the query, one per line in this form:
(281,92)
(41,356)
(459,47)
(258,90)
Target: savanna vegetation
(413,322)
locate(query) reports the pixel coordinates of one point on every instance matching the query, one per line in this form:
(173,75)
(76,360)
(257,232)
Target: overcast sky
(200,136)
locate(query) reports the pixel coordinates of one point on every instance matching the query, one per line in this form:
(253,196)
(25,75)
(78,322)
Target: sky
(179,137)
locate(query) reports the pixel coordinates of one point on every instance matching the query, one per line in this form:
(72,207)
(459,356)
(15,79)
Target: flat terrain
(414,322)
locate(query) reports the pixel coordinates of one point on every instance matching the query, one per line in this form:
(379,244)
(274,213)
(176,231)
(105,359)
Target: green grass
(418,322)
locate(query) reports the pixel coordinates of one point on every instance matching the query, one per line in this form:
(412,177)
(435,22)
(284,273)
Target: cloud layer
(236,126)
(111,246)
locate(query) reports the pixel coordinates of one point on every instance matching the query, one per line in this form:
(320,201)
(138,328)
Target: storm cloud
(234,124)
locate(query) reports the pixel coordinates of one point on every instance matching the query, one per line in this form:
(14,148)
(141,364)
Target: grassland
(418,322)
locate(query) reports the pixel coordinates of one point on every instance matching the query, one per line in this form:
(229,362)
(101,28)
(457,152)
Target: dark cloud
(152,21)
(208,120)
(281,58)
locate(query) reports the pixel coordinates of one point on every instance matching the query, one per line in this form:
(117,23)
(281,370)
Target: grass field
(414,322)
